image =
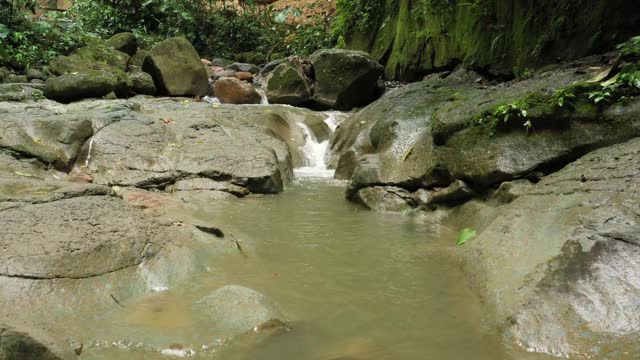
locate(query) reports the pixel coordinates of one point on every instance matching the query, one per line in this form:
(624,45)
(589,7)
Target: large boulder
(431,133)
(92,71)
(231,90)
(287,84)
(176,68)
(344,78)
(123,42)
(90,84)
(559,267)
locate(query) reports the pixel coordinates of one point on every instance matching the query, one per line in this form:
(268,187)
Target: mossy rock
(89,84)
(176,68)
(92,57)
(123,42)
(287,84)
(141,83)
(345,78)
(137,60)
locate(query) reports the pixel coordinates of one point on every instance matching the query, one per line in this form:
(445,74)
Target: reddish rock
(231,90)
(244,75)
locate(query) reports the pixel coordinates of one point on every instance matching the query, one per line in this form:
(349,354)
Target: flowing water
(355,284)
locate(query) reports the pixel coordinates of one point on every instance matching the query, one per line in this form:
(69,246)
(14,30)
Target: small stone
(244,76)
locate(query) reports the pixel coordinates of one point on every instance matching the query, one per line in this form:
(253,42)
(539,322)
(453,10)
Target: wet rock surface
(430,134)
(559,265)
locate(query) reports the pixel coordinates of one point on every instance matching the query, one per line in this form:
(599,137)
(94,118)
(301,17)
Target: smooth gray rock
(385,198)
(559,267)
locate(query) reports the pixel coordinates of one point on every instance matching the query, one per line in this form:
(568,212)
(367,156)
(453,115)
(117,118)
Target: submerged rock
(344,78)
(233,310)
(24,344)
(385,198)
(176,68)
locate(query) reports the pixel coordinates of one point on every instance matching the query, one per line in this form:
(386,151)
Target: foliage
(215,28)
(465,235)
(356,15)
(627,80)
(28,41)
(562,97)
(631,47)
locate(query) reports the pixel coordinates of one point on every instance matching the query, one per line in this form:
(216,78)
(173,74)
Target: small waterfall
(315,152)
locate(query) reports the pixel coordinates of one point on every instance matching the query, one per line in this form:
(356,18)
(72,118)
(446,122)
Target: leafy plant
(630,47)
(562,97)
(465,235)
(509,111)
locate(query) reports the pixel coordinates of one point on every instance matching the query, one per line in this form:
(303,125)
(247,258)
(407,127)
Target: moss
(413,38)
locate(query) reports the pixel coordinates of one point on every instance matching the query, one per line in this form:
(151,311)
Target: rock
(208,184)
(427,135)
(234,91)
(223,74)
(26,343)
(37,82)
(14,78)
(244,67)
(88,231)
(233,310)
(385,198)
(221,62)
(91,58)
(123,42)
(4,72)
(51,132)
(244,76)
(511,190)
(558,267)
(141,83)
(230,144)
(287,84)
(32,74)
(344,78)
(75,86)
(20,92)
(457,192)
(270,66)
(137,60)
(176,69)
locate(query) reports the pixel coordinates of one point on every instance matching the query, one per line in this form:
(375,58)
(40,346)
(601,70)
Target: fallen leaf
(37,140)
(166,120)
(23,174)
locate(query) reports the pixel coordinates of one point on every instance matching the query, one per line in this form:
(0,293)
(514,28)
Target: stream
(355,284)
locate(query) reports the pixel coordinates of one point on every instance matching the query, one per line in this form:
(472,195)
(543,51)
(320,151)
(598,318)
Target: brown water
(354,283)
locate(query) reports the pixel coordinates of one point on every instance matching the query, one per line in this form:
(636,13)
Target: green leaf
(465,235)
